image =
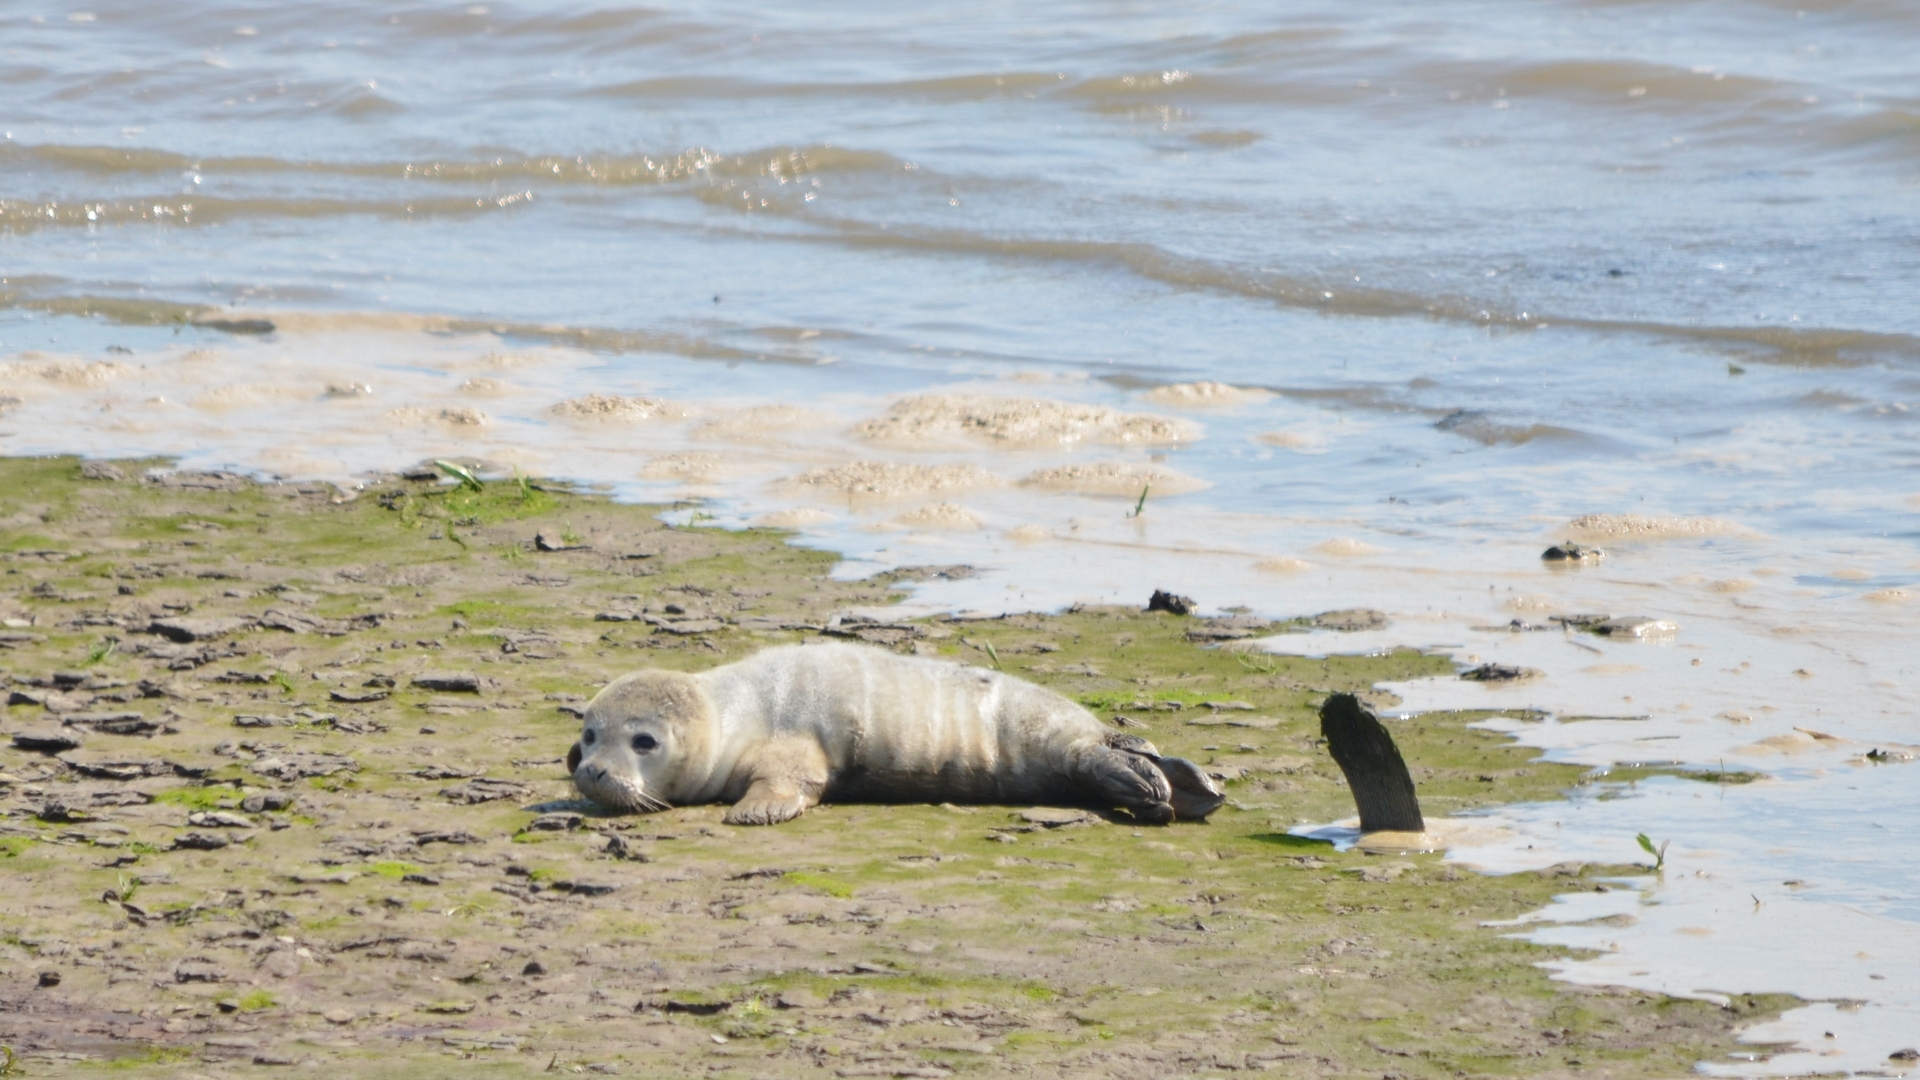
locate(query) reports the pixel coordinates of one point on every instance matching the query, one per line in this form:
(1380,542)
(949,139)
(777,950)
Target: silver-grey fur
(792,726)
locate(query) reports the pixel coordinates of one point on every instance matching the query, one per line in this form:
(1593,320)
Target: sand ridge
(614,408)
(1115,478)
(889,479)
(936,419)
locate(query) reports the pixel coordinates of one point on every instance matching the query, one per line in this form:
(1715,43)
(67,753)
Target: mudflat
(282,783)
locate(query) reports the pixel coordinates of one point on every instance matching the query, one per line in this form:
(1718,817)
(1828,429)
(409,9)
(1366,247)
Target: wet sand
(316,814)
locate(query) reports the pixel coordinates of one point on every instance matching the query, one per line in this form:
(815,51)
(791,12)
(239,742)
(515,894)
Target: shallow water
(1490,269)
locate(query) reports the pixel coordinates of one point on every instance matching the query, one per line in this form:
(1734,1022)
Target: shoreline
(428,885)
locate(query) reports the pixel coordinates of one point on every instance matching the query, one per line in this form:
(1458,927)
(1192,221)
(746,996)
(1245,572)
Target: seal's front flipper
(1195,795)
(770,803)
(1382,786)
(789,774)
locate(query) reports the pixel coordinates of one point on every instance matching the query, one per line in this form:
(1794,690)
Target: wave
(36,295)
(22,217)
(967,87)
(1798,347)
(777,161)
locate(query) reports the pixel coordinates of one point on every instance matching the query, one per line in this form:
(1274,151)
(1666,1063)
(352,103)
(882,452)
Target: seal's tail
(1195,794)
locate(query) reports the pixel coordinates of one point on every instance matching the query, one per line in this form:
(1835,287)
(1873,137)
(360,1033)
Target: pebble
(452,682)
(47,740)
(198,627)
(1054,817)
(1637,626)
(195,841)
(219,819)
(1161,600)
(1351,620)
(266,800)
(1499,673)
(1572,552)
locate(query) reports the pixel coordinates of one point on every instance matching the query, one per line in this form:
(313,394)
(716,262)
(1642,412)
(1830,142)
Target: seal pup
(790,726)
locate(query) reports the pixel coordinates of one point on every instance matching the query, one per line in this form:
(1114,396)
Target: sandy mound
(1205,394)
(1530,604)
(1011,422)
(483,385)
(244,394)
(1301,441)
(941,516)
(612,408)
(1792,742)
(1347,548)
(1115,478)
(762,423)
(1888,596)
(62,373)
(694,466)
(792,519)
(1599,527)
(1028,534)
(889,480)
(415,416)
(1281,565)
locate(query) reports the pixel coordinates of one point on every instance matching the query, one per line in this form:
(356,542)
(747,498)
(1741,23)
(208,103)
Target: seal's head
(642,736)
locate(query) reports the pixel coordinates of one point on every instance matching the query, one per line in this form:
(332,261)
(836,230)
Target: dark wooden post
(1382,787)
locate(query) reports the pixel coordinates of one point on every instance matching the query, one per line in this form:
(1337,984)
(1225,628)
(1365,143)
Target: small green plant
(256,1001)
(9,1064)
(395,870)
(1141,506)
(992,653)
(159,1055)
(284,681)
(837,889)
(465,911)
(194,798)
(1259,663)
(102,649)
(459,472)
(129,888)
(1659,853)
(567,535)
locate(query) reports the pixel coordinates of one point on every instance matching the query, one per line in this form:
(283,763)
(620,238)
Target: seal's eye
(587,737)
(644,743)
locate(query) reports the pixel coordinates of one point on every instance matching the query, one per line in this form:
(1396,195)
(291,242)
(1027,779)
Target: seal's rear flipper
(1195,795)
(1382,786)
(1126,778)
